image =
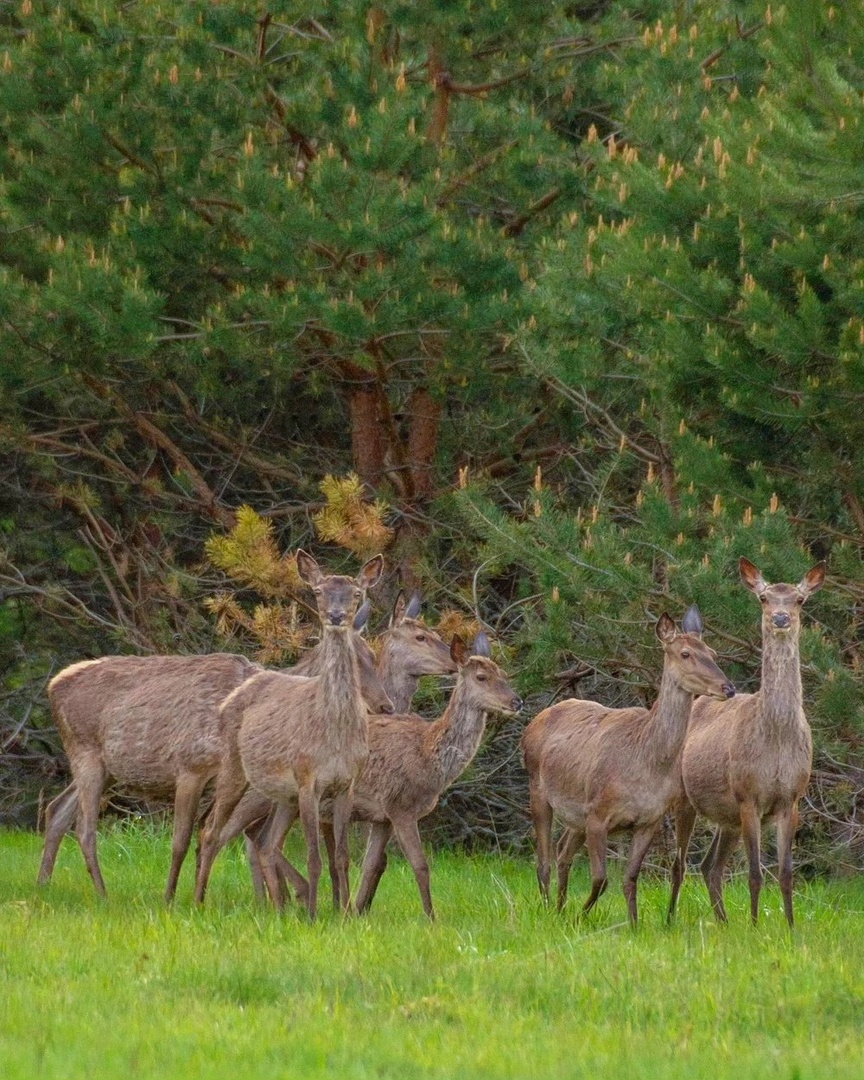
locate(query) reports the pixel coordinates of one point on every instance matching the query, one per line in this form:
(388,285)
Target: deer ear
(481,646)
(751,576)
(362,616)
(370,573)
(458,651)
(307,568)
(665,628)
(398,612)
(692,621)
(813,580)
(415,606)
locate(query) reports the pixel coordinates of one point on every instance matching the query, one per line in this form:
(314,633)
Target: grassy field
(498,987)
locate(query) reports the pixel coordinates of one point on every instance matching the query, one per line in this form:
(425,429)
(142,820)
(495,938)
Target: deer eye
(685,654)
(421,637)
(481,677)
(763,599)
(799,599)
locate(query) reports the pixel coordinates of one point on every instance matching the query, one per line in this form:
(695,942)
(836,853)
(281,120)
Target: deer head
(338,597)
(781,603)
(691,662)
(484,682)
(419,650)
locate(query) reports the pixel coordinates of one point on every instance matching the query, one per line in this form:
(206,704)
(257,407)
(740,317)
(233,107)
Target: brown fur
(151,724)
(408,649)
(601,770)
(297,740)
(747,761)
(411,762)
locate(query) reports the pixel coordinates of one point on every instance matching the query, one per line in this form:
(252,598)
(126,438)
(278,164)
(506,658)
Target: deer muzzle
(780,620)
(728,689)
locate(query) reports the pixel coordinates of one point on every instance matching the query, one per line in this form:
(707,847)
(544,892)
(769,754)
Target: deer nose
(729,689)
(337,618)
(516,704)
(387,708)
(781,620)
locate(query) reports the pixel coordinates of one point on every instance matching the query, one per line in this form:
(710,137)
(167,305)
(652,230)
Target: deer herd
(331,741)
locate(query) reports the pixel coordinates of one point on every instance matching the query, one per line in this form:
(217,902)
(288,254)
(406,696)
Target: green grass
(498,987)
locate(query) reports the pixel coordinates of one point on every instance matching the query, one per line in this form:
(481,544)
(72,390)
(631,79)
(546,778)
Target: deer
(602,770)
(298,740)
(408,650)
(151,724)
(747,762)
(412,761)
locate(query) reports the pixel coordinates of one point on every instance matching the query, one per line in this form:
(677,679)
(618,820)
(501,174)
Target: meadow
(497,987)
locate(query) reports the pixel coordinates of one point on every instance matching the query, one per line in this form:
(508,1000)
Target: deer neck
(781,692)
(399,684)
(339,697)
(455,737)
(667,720)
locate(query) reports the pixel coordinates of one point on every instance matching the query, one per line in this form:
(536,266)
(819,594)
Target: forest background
(575,292)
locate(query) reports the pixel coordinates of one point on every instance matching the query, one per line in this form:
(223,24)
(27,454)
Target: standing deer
(297,741)
(408,650)
(412,761)
(151,724)
(748,761)
(602,770)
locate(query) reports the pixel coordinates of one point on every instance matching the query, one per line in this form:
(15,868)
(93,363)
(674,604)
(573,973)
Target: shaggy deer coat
(151,724)
(602,770)
(408,650)
(748,761)
(297,741)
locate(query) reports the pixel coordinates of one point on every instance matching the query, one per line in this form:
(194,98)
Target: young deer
(408,650)
(412,761)
(298,739)
(151,724)
(602,770)
(748,761)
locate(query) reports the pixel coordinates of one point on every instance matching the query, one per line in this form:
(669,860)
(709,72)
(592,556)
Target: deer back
(147,716)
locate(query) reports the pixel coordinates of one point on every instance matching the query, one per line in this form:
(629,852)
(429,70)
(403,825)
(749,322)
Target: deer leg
(332,862)
(374,864)
(337,833)
(408,835)
(568,844)
(251,816)
(59,818)
(787,824)
(247,817)
(230,785)
(541,816)
(251,836)
(595,840)
(276,829)
(287,871)
(89,782)
(714,864)
(187,795)
(308,800)
(751,829)
(642,838)
(685,819)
